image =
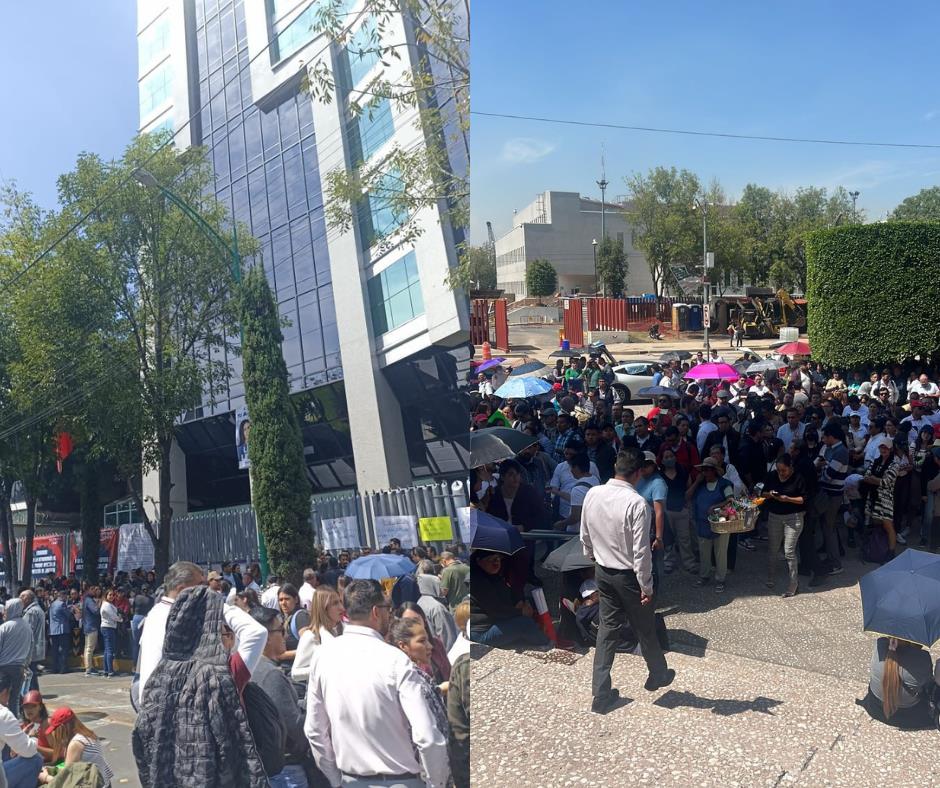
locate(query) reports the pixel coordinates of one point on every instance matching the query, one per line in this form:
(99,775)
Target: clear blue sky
(807,68)
(69,85)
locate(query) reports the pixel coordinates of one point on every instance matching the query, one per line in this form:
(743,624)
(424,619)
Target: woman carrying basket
(712,491)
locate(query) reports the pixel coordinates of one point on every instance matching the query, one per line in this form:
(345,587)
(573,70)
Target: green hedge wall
(874,292)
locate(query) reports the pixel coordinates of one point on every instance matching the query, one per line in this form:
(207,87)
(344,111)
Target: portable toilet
(695,317)
(680,317)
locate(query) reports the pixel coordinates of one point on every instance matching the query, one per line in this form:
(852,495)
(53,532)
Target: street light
(702,205)
(147,179)
(854,196)
(594,245)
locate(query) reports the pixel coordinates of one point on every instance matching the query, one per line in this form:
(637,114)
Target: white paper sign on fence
(463,522)
(340,533)
(135,548)
(396,527)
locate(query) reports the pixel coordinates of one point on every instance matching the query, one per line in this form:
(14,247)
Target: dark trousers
(60,652)
(15,672)
(34,678)
(620,601)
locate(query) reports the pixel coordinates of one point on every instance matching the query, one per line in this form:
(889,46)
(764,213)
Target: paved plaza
(764,696)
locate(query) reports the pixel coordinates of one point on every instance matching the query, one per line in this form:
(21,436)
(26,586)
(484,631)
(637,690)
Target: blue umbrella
(520,388)
(902,598)
(491,533)
(379,566)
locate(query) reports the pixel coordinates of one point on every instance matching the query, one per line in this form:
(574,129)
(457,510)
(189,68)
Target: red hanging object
(63,448)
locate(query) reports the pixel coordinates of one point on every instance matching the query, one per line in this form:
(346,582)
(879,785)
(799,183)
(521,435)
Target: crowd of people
(840,461)
(339,681)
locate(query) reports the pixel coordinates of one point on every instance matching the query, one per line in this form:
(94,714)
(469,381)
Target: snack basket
(740,516)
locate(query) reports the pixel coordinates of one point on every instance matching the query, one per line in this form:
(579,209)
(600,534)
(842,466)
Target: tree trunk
(90,506)
(30,532)
(6,533)
(161,545)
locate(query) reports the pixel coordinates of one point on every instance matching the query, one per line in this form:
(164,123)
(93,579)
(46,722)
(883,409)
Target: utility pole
(594,245)
(603,184)
(854,196)
(702,205)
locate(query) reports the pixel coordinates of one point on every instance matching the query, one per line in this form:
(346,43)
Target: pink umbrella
(794,349)
(712,372)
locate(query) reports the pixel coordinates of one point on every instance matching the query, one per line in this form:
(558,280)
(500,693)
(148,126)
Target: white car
(631,376)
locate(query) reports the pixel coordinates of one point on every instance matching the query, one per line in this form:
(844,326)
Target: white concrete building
(560,227)
(227,74)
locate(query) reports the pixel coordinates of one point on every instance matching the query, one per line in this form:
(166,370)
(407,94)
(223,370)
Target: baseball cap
(575,442)
(588,587)
(60,717)
(916,403)
(213,575)
(33,697)
(557,387)
(648,456)
(723,394)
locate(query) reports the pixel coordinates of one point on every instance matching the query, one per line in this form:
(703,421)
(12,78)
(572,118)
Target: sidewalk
(104,706)
(764,696)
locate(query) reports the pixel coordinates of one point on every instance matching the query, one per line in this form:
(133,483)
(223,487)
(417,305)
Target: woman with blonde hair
(73,742)
(326,623)
(900,685)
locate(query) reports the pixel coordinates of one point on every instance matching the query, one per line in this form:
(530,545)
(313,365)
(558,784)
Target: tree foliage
(481,268)
(280,489)
(863,309)
(923,206)
(433,94)
(541,279)
(611,267)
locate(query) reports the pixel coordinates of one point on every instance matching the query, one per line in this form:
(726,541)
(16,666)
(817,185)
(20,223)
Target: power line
(694,133)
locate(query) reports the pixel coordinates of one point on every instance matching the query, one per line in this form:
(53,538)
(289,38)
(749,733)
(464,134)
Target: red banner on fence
(107,551)
(48,555)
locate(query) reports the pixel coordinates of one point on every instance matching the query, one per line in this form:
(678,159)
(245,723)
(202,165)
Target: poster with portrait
(48,555)
(107,551)
(242,428)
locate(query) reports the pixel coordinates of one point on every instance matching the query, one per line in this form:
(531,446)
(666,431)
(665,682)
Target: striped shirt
(94,755)
(832,480)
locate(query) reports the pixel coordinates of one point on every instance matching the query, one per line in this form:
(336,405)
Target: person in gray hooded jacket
(438,614)
(35,616)
(16,645)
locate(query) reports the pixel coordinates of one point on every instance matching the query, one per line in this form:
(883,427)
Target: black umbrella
(529,368)
(494,444)
(567,558)
(566,353)
(675,355)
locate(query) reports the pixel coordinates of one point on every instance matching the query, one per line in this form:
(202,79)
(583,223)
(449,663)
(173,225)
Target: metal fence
(215,536)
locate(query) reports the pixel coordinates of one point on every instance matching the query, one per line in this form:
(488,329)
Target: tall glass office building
(376,342)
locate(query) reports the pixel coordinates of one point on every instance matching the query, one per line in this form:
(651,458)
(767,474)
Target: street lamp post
(854,196)
(702,205)
(594,246)
(148,181)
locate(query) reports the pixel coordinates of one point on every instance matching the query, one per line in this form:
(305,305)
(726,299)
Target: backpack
(78,775)
(264,719)
(875,548)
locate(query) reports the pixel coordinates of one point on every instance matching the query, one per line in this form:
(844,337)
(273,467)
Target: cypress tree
(280,489)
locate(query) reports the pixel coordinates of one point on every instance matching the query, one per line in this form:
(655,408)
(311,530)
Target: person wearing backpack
(269,677)
(296,618)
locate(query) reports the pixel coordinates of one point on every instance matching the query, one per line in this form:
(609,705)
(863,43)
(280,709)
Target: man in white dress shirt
(308,589)
(615,533)
(367,712)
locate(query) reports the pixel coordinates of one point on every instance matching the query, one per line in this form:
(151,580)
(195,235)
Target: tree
(611,266)
(923,206)
(432,173)
(541,279)
(854,272)
(170,311)
(482,268)
(280,489)
(664,225)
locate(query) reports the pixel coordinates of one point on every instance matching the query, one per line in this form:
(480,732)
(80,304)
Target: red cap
(916,403)
(557,387)
(59,717)
(32,697)
(936,431)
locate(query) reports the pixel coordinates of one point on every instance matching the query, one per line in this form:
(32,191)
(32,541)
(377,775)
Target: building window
(164,125)
(362,51)
(379,216)
(395,295)
(291,33)
(121,513)
(155,89)
(373,128)
(153,42)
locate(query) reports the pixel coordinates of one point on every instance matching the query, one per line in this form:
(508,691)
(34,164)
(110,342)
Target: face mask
(669,462)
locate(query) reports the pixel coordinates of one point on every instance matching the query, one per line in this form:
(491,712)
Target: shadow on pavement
(686,642)
(722,706)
